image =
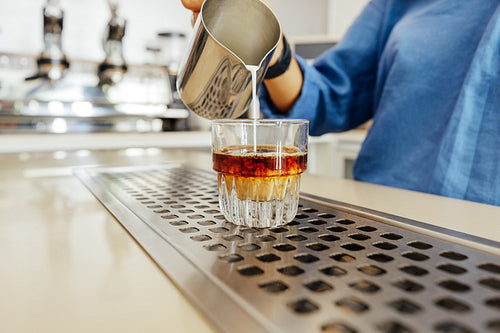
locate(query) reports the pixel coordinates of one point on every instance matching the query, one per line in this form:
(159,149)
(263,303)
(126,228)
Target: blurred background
(72,67)
(21,23)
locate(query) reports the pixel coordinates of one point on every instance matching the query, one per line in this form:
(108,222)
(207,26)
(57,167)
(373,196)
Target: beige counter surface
(66,265)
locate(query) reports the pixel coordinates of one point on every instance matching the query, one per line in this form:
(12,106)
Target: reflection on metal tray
(335,268)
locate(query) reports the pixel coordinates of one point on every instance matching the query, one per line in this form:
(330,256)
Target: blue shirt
(428,73)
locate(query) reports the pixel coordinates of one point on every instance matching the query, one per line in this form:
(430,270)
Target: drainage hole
(419,245)
(249,247)
(326,215)
(169,217)
(318,286)
(366,228)
(372,270)
(345,221)
(301,216)
(154,206)
(306,258)
(451,304)
(337,328)
(196,216)
(342,257)
(308,229)
(364,286)
(452,327)
(317,247)
(284,247)
(247,230)
(352,247)
(303,306)
(491,283)
(278,230)
(232,238)
(453,255)
(408,285)
(405,306)
(250,271)
(492,268)
(178,223)
(453,269)
(230,258)
(328,238)
(453,285)
(391,236)
(185,211)
(493,302)
(178,206)
(268,257)
(385,245)
(333,271)
(201,238)
(215,247)
(291,270)
(296,238)
(266,238)
(161,211)
(189,230)
(212,211)
(317,222)
(292,223)
(273,286)
(359,237)
(352,304)
(494,325)
(206,222)
(393,327)
(415,256)
(336,229)
(218,230)
(380,257)
(414,270)
(309,210)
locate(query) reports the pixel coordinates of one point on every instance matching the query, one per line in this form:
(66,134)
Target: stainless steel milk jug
(213,80)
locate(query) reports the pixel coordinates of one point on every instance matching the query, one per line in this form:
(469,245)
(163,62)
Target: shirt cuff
(304,107)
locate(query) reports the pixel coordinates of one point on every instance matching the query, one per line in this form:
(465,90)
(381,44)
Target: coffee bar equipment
(50,93)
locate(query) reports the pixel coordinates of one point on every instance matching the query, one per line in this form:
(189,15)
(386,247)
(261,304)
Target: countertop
(66,265)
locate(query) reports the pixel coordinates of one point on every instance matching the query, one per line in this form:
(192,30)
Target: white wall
(341,13)
(302,17)
(85,22)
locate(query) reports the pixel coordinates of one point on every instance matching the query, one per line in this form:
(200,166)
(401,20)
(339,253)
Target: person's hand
(194,6)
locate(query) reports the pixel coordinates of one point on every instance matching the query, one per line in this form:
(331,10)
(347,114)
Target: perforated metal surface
(330,270)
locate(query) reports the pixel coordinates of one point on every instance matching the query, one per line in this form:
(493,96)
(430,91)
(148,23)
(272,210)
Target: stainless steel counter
(67,265)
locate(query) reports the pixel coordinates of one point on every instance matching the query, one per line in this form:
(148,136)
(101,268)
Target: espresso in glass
(259,183)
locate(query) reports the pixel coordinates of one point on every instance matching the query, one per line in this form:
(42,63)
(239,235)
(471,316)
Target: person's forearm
(285,89)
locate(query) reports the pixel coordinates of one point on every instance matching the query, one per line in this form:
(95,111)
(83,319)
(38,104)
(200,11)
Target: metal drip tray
(335,268)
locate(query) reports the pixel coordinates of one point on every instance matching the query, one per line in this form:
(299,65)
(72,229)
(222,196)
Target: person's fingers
(194,5)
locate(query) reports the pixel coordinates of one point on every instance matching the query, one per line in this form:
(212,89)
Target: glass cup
(259,165)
